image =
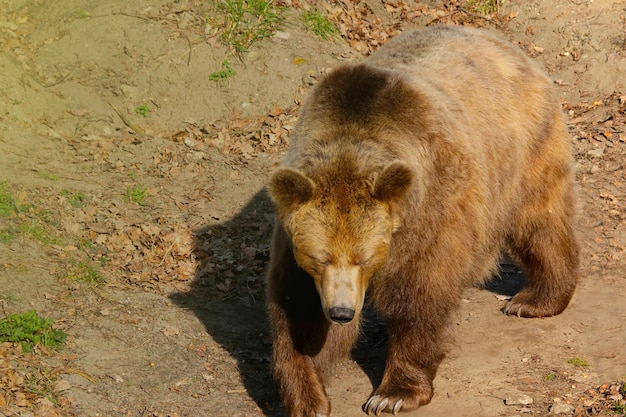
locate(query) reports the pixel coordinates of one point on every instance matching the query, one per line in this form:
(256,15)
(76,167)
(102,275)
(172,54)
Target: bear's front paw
(395,400)
(527,304)
(378,404)
(307,408)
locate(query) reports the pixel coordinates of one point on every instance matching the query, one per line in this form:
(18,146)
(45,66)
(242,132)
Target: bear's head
(341,229)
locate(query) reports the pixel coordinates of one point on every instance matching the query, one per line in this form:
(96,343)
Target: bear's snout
(341,315)
(342,293)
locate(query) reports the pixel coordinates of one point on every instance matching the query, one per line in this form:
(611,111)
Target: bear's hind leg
(545,244)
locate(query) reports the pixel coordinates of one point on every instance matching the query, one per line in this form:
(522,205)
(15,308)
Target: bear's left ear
(288,187)
(392,182)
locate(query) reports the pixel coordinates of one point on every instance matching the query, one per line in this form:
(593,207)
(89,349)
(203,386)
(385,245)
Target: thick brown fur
(406,177)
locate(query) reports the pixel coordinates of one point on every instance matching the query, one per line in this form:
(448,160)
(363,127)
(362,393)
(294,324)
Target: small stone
(522,399)
(129,91)
(596,153)
(116,378)
(196,156)
(561,408)
(282,35)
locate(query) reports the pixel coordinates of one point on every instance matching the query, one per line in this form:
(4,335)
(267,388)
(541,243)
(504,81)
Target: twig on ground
(134,128)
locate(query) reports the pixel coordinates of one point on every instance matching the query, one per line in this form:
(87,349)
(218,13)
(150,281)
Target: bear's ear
(392,182)
(288,187)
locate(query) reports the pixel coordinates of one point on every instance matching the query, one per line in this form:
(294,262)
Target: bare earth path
(167,205)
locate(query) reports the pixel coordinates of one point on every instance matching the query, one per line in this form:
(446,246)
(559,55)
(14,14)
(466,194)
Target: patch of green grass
(227,71)
(246,21)
(46,216)
(33,230)
(76,200)
(549,377)
(6,236)
(578,362)
(86,272)
(136,194)
(7,202)
(87,245)
(30,329)
(318,23)
(9,297)
(484,7)
(41,383)
(620,406)
(48,176)
(142,110)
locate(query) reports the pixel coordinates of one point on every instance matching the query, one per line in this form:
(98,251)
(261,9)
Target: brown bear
(406,177)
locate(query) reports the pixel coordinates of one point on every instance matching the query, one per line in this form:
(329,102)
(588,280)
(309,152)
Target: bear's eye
(319,259)
(325,260)
(363,260)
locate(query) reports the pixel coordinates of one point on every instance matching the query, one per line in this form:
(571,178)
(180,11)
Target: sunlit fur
(406,177)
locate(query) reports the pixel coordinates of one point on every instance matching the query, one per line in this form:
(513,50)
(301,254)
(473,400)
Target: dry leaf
(62,385)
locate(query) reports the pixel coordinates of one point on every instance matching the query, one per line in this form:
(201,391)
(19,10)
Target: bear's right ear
(393,182)
(288,187)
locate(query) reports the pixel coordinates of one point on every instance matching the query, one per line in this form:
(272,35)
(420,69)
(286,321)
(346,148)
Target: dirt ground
(126,163)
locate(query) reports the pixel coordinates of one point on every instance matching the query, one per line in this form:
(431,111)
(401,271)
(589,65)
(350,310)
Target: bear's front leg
(294,367)
(416,319)
(299,332)
(413,357)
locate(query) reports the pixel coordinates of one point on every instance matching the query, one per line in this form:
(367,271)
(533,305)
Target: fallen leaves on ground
(603,400)
(32,381)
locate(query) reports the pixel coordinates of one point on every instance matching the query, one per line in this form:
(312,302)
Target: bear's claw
(511,309)
(524,305)
(378,404)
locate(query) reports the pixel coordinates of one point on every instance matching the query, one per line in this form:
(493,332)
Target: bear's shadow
(228,299)
(226,295)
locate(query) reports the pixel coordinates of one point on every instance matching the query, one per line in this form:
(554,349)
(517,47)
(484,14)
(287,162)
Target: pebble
(596,153)
(128,91)
(282,35)
(522,399)
(561,408)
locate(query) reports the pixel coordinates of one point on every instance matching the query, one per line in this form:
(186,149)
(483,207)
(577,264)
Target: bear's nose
(341,315)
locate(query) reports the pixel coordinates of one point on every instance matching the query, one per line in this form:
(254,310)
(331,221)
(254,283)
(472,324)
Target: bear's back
(460,60)
(462,84)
